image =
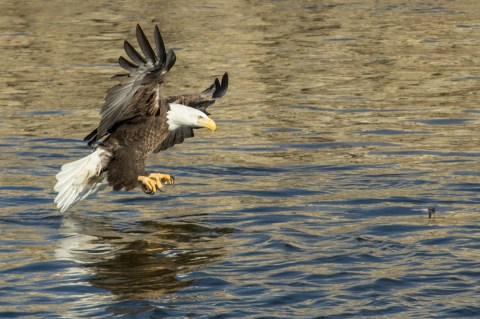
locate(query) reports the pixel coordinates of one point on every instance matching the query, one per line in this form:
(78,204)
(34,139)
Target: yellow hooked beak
(208,123)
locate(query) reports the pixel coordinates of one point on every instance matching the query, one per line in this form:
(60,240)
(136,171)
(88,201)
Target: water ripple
(343,125)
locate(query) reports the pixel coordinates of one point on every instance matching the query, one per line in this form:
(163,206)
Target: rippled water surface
(344,122)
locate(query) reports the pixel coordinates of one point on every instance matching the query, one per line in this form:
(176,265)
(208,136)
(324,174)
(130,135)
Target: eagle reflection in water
(144,261)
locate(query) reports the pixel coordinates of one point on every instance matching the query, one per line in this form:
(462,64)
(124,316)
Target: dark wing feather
(217,90)
(175,137)
(145,45)
(90,137)
(171,58)
(144,73)
(198,101)
(159,43)
(127,65)
(133,54)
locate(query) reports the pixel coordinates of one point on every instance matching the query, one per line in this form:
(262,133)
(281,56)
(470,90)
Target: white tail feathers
(81,178)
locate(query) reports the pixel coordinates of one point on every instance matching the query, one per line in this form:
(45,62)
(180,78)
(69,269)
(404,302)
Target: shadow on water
(143,260)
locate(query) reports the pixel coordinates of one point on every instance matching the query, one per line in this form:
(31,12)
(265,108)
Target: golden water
(343,122)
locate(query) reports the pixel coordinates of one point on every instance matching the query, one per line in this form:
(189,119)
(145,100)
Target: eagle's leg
(149,185)
(159,178)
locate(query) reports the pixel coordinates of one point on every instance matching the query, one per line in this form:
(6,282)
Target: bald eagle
(136,120)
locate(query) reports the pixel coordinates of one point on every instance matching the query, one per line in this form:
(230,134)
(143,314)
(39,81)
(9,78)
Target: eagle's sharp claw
(153,182)
(149,186)
(159,178)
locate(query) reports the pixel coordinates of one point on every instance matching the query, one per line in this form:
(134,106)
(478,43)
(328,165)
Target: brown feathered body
(145,131)
(131,140)
(130,145)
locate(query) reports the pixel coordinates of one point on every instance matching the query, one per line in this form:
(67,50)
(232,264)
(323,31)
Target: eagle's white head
(180,115)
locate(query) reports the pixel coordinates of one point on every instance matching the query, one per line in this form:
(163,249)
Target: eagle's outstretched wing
(139,91)
(199,101)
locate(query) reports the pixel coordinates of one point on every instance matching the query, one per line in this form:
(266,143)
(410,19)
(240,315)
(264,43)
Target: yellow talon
(153,182)
(149,185)
(165,178)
